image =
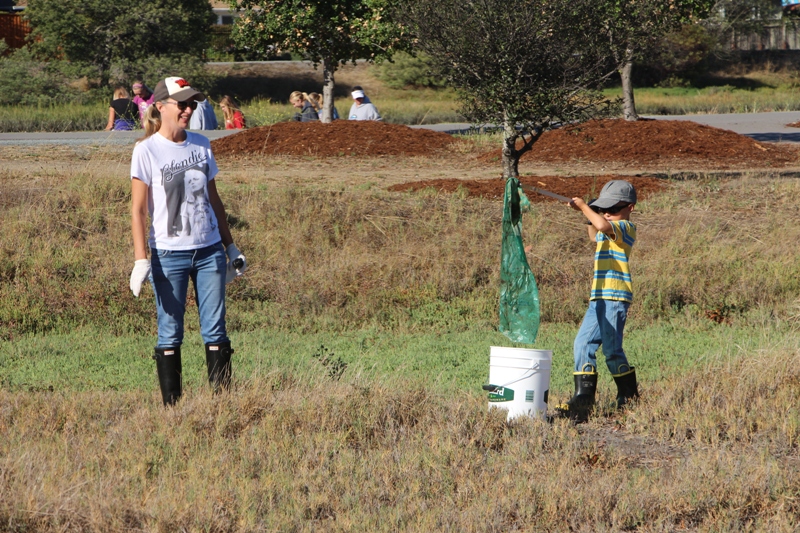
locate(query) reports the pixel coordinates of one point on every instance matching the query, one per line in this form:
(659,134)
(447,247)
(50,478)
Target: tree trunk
(628,105)
(510,153)
(328,68)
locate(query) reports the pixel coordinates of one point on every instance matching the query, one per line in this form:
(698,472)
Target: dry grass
(713,446)
(713,450)
(331,249)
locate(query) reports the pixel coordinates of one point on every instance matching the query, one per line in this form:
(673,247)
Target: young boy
(610,227)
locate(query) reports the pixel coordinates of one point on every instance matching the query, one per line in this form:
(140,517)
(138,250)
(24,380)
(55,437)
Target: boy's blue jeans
(171,272)
(603,324)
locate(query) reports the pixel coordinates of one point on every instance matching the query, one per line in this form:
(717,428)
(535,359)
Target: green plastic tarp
(519,296)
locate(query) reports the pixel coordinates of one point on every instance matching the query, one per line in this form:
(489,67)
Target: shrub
(406,70)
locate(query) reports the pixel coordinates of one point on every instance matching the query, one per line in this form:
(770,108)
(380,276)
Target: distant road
(769,127)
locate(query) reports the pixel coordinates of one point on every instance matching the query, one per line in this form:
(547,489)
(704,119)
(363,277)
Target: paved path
(759,126)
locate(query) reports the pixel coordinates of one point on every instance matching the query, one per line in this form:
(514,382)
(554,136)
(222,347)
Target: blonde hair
(230,106)
(297,95)
(121,92)
(151,121)
(316,100)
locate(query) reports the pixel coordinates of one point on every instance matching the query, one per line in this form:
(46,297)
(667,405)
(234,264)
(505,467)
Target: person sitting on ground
(360,110)
(307,112)
(204,117)
(122,114)
(234,119)
(142,97)
(318,102)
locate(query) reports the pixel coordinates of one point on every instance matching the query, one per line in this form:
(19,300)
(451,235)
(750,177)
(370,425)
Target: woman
(122,115)
(307,112)
(172,181)
(234,119)
(142,97)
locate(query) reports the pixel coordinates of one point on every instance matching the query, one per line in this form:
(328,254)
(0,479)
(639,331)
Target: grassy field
(400,292)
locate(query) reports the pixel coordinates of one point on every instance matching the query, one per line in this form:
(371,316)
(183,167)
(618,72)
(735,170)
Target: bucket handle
(494,388)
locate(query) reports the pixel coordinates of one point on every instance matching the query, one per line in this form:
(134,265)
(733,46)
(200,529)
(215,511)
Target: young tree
(98,32)
(330,32)
(634,26)
(529,65)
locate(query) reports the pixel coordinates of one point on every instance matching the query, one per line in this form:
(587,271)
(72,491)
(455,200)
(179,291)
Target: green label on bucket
(501,394)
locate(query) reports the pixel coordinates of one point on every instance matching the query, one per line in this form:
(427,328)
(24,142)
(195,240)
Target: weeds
(333,364)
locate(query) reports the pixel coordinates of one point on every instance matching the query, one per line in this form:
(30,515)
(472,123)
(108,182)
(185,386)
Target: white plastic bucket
(519,380)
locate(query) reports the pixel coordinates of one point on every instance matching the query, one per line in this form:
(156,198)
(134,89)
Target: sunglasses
(191,104)
(613,210)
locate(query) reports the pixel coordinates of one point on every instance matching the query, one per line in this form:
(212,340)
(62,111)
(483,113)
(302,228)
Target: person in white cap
(361,109)
(172,181)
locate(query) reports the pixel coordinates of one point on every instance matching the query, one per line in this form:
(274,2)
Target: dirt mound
(652,141)
(572,186)
(339,138)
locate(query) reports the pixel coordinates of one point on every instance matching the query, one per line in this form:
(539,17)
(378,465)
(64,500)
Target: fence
(14,29)
(780,36)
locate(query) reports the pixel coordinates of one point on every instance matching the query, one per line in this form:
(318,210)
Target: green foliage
(632,27)
(511,63)
(406,70)
(320,30)
(26,80)
(679,57)
(99,33)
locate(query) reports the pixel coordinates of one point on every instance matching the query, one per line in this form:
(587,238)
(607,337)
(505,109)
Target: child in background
(318,101)
(142,97)
(234,119)
(610,227)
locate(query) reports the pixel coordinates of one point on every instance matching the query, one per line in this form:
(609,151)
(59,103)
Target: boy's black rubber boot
(581,403)
(168,365)
(218,361)
(627,387)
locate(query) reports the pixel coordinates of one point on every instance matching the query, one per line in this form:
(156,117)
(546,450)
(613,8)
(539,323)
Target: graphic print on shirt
(188,207)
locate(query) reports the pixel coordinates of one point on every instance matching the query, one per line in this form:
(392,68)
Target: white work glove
(234,256)
(140,272)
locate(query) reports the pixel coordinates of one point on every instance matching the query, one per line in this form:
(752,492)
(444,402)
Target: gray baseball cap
(614,192)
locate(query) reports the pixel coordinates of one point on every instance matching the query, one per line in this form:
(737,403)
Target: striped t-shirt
(612,276)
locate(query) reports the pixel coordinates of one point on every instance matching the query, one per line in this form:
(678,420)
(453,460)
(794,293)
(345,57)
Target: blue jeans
(603,324)
(171,272)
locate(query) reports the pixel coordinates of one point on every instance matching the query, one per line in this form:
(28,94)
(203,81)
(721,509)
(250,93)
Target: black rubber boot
(627,387)
(218,361)
(168,365)
(581,403)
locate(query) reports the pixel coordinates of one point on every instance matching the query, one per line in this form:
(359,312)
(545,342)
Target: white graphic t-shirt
(177,175)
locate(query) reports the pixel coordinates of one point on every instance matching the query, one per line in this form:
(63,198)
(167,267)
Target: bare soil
(647,142)
(570,187)
(339,138)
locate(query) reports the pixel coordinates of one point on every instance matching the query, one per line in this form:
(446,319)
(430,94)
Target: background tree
(329,32)
(632,27)
(99,33)
(528,65)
